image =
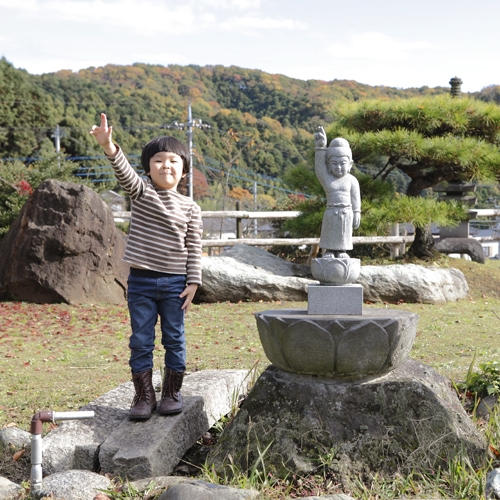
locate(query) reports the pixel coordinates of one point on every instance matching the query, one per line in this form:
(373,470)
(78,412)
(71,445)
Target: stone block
(325,299)
(142,449)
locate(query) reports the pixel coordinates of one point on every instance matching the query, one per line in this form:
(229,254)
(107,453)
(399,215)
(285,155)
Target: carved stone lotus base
(339,347)
(333,271)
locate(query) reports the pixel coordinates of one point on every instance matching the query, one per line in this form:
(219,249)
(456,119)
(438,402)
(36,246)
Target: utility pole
(191,123)
(255,208)
(190,147)
(57,142)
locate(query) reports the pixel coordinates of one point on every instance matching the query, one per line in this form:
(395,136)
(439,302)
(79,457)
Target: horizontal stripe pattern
(165,228)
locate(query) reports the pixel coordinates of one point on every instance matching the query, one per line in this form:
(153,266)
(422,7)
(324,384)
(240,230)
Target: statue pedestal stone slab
(335,299)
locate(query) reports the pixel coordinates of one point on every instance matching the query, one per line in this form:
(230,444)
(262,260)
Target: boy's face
(339,165)
(165,170)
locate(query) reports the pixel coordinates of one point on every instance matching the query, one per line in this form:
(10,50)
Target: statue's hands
(356,220)
(320,138)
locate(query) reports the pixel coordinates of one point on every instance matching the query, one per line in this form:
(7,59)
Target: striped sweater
(166,227)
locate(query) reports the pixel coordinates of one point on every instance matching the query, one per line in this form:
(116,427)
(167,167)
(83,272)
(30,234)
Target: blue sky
(395,43)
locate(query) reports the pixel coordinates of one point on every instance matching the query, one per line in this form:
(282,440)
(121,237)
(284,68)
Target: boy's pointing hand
(103,135)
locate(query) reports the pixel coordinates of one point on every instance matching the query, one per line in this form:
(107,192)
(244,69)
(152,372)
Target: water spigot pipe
(36,440)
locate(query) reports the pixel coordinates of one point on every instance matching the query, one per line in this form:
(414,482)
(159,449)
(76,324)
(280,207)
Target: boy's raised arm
(103,135)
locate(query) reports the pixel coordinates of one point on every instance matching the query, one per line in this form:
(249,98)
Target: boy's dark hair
(168,144)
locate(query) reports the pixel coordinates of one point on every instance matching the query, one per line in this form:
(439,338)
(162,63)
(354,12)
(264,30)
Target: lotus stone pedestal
(340,347)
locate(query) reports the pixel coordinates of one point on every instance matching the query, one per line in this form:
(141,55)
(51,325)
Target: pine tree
(430,139)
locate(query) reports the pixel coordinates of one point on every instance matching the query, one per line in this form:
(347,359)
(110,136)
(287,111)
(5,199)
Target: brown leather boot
(171,399)
(145,399)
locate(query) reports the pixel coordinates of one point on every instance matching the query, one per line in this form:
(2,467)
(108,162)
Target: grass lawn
(60,357)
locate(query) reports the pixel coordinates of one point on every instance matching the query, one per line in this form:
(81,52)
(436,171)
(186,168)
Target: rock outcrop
(408,419)
(63,247)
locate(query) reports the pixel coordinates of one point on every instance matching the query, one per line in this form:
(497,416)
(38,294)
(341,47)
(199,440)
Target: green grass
(60,357)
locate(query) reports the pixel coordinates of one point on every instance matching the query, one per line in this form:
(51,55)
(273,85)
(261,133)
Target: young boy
(164,253)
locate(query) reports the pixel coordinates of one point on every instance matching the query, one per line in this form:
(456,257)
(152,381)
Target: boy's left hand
(188,292)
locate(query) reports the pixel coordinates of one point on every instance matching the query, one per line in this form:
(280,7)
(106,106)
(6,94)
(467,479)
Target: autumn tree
(430,139)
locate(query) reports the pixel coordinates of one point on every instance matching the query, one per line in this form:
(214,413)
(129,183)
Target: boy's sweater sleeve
(193,245)
(128,178)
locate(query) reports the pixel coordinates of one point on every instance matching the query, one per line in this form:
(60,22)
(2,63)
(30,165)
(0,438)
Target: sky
(396,43)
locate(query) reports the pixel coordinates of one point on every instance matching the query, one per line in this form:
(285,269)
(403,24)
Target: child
(164,253)
(343,208)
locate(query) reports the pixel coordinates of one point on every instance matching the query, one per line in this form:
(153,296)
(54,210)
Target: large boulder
(407,420)
(63,247)
(412,283)
(250,273)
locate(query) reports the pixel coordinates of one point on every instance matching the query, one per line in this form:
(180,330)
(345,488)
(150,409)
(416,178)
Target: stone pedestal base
(343,299)
(343,347)
(408,420)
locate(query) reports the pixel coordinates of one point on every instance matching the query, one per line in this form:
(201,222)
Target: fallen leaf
(101,496)
(18,455)
(11,424)
(252,349)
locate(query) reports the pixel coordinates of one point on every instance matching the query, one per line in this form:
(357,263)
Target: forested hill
(274,114)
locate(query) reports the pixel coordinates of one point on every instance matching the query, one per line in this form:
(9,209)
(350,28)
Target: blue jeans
(149,294)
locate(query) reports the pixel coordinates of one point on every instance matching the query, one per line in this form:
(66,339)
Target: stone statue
(343,208)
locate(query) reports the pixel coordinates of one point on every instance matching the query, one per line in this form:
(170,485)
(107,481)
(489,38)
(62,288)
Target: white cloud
(375,46)
(246,4)
(266,23)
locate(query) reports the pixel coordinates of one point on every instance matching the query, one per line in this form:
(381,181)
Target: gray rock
(156,483)
(251,273)
(201,490)
(75,485)
(412,283)
(406,420)
(257,256)
(8,488)
(114,444)
(14,437)
(468,246)
(492,488)
(227,279)
(486,406)
(63,247)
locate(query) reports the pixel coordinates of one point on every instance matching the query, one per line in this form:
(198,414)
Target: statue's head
(339,157)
